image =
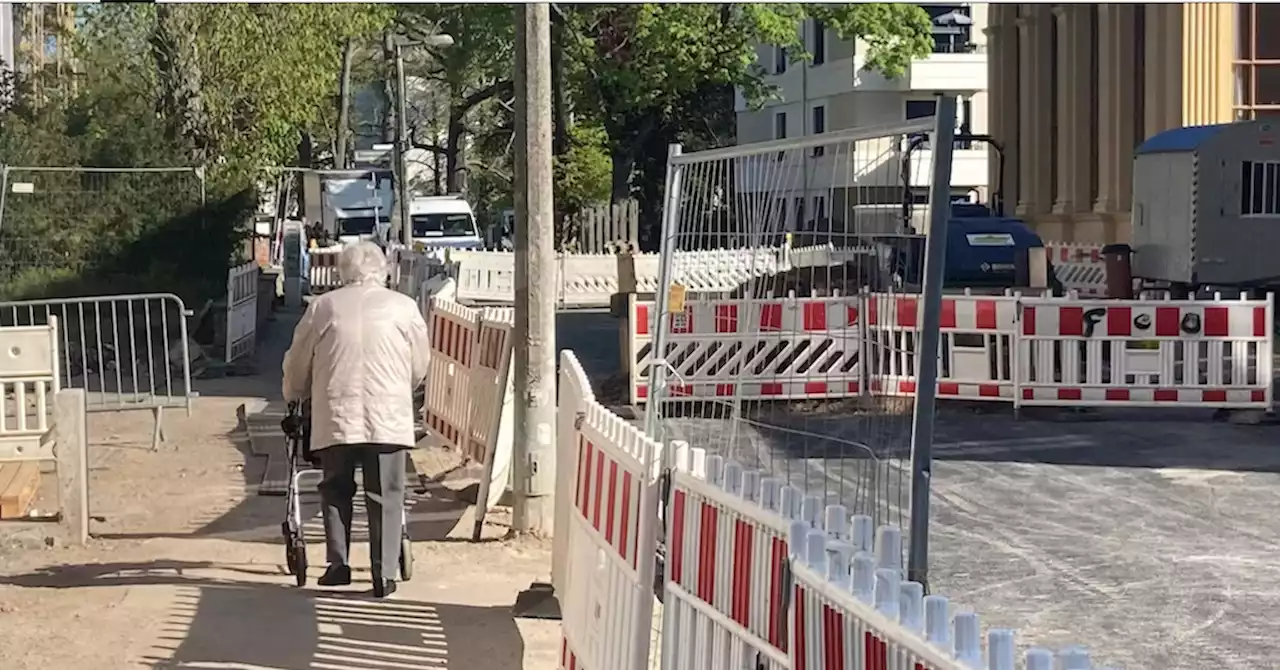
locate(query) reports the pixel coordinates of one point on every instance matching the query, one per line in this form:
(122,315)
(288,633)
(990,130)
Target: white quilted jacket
(359,353)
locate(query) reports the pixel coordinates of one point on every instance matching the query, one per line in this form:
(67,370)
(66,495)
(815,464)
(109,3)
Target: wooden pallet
(19,484)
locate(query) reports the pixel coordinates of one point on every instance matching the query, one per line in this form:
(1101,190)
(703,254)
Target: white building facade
(832,92)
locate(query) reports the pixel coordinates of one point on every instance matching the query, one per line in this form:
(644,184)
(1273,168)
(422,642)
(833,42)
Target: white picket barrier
(490,423)
(603,570)
(1015,349)
(750,584)
(29,380)
(446,414)
(322,274)
(242,311)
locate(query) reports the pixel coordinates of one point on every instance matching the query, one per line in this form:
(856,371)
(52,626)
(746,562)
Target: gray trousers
(383,466)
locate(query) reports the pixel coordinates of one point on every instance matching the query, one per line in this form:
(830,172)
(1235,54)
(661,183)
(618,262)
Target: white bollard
(811,510)
(839,555)
(864,577)
(1074,658)
(733,478)
(937,622)
(791,497)
(816,551)
(968,640)
(715,470)
(751,486)
(796,538)
(863,533)
(836,522)
(1038,659)
(911,606)
(770,494)
(1001,651)
(698,462)
(889,548)
(888,589)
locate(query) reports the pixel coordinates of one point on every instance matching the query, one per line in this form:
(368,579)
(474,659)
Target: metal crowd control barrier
(1021,350)
(128,352)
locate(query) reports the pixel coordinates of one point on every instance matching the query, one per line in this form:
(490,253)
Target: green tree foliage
(635,65)
(582,175)
(230,87)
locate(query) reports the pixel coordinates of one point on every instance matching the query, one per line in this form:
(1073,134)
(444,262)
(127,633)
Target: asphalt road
(1148,536)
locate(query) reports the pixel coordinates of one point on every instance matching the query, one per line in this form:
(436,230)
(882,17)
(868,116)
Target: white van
(444,221)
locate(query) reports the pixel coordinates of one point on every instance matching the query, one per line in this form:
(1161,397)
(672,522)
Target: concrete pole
(402,153)
(535,312)
(935,257)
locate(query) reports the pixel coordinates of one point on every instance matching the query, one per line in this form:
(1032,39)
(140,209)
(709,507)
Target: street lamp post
(402,133)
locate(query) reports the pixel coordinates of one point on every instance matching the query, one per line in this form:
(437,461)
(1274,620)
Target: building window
(819,126)
(1257,64)
(952,27)
(780,126)
(819,46)
(780,213)
(819,211)
(797,212)
(1260,188)
(919,109)
(779,60)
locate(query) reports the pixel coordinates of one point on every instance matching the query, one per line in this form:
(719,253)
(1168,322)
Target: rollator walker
(297,431)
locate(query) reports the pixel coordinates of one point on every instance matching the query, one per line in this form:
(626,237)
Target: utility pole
(535,312)
(935,257)
(402,152)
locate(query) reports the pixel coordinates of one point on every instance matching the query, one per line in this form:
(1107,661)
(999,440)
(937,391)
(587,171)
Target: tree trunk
(456,154)
(560,107)
(388,88)
(623,165)
(175,51)
(343,137)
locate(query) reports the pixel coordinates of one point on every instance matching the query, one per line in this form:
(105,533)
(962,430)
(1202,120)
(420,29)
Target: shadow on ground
(220,616)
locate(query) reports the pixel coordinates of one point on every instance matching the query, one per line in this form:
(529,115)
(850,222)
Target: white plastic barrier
(603,567)
(1021,350)
(1079,267)
(751,584)
(242,311)
(323,273)
(29,380)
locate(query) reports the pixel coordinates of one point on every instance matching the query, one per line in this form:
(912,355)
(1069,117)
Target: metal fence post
(930,336)
(667,247)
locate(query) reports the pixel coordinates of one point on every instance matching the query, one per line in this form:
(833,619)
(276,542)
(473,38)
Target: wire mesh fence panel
(57,221)
(741,372)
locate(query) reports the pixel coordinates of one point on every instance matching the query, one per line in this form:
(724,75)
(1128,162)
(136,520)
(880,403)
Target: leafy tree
(473,72)
(632,65)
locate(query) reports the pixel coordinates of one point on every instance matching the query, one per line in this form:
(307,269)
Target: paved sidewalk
(188,568)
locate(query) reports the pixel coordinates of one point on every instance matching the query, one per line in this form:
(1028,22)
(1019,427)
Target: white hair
(362,263)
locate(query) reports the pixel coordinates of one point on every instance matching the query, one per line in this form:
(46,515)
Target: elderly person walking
(358,354)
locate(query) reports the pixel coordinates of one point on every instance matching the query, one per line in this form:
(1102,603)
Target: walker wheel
(298,561)
(406,559)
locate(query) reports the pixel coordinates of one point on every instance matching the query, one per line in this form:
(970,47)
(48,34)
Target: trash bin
(1117,259)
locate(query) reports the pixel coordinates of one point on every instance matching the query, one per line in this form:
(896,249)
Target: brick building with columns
(1074,88)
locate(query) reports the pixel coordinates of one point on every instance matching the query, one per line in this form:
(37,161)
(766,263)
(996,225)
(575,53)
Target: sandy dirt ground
(187,566)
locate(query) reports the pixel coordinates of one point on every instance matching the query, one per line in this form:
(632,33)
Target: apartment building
(832,92)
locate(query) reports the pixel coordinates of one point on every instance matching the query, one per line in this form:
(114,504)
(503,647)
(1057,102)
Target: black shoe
(383,588)
(335,575)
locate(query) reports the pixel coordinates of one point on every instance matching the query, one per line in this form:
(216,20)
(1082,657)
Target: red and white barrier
(468,404)
(603,568)
(1021,350)
(750,584)
(323,273)
(1134,352)
(1079,267)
